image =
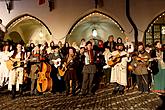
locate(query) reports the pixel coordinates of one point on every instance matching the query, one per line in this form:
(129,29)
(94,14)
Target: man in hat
(55,61)
(141,63)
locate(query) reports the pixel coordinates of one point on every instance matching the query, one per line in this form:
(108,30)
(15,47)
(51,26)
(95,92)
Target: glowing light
(94,33)
(97,14)
(41,34)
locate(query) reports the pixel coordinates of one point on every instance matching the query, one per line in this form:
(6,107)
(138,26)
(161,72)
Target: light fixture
(94,32)
(41,34)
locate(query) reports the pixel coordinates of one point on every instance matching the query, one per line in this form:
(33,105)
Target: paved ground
(102,100)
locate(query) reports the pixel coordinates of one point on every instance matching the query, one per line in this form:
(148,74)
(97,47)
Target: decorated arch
(96,25)
(30,29)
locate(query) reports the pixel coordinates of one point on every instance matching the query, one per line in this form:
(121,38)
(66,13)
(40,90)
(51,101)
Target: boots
(21,89)
(13,91)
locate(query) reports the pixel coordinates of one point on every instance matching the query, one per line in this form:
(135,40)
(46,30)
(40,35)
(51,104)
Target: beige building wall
(66,12)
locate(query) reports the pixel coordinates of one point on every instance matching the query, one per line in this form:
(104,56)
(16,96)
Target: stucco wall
(66,12)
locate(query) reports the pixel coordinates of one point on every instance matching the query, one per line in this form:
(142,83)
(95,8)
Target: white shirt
(129,47)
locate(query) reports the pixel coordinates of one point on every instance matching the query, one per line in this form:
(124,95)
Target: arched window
(156,30)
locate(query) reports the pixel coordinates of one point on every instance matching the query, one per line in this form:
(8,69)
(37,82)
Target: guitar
(142,58)
(115,59)
(63,69)
(15,63)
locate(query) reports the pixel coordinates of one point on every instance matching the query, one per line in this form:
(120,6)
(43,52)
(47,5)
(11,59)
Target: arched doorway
(155,30)
(101,23)
(30,30)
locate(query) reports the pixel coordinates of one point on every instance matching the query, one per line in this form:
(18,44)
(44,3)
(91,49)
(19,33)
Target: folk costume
(159,82)
(119,72)
(17,72)
(107,68)
(35,68)
(141,63)
(70,76)
(4,73)
(57,80)
(89,70)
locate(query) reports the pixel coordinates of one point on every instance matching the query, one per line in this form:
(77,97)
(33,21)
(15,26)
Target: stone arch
(99,20)
(30,28)
(15,36)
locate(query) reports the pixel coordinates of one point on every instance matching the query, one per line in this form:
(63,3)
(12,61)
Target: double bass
(44,81)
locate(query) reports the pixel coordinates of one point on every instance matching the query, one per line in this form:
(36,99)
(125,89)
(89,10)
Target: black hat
(54,47)
(140,43)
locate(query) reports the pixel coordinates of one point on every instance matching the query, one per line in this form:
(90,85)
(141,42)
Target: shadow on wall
(15,37)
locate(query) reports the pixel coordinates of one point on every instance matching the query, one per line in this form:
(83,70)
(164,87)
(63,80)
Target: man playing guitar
(119,70)
(55,61)
(140,64)
(16,74)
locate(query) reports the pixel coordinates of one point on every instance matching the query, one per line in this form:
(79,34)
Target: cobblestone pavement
(102,100)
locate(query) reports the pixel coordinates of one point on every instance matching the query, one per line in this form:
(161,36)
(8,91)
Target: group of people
(79,69)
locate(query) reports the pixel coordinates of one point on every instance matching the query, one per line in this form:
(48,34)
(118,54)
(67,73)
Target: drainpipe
(132,23)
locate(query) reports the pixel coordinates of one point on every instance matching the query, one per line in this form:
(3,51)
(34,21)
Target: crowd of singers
(83,66)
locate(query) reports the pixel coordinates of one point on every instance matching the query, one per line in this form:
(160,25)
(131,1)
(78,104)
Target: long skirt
(159,81)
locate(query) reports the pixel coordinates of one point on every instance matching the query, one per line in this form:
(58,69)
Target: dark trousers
(13,92)
(118,87)
(73,84)
(107,73)
(79,79)
(87,82)
(142,81)
(58,85)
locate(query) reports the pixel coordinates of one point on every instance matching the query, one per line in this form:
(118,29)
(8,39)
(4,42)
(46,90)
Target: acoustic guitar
(62,70)
(115,59)
(14,63)
(145,58)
